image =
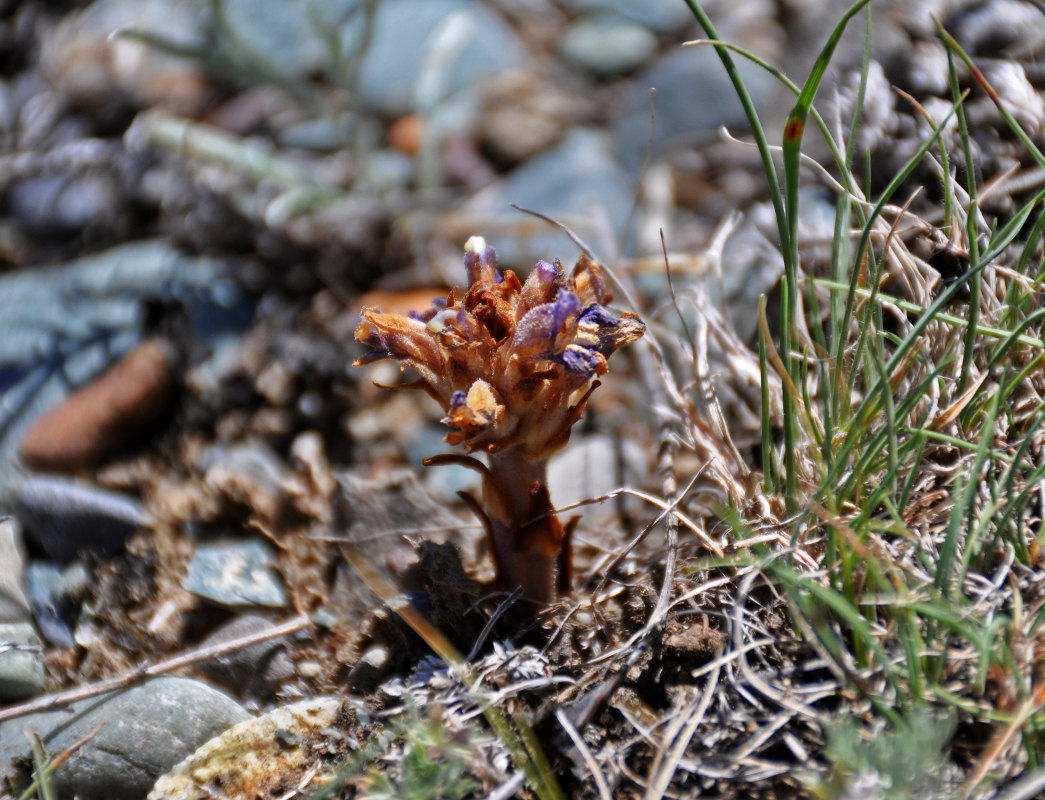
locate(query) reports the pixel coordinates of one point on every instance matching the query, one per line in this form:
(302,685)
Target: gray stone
(43,584)
(284,37)
(443,481)
(607,44)
(57,205)
(663,16)
(366,673)
(403,51)
(591,466)
(61,326)
(55,596)
(386,171)
(14,605)
(694,99)
(22,672)
(235,573)
(65,517)
(144,731)
(324,135)
(253,460)
(254,672)
(578,182)
(264,755)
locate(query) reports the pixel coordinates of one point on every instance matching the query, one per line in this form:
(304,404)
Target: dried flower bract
(513,365)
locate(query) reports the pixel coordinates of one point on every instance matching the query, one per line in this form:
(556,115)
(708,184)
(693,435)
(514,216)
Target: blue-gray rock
(590,466)
(607,44)
(694,99)
(403,50)
(287,39)
(14,605)
(443,481)
(82,60)
(22,672)
(66,517)
(663,16)
(324,135)
(61,326)
(58,205)
(386,171)
(253,460)
(398,51)
(54,611)
(144,731)
(235,573)
(253,672)
(578,182)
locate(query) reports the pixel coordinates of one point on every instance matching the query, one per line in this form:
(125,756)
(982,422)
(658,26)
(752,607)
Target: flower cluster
(513,365)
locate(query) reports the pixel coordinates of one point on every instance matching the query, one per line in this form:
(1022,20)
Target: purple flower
(537,332)
(513,365)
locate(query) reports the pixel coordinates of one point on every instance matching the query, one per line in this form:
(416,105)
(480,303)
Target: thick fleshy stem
(530,546)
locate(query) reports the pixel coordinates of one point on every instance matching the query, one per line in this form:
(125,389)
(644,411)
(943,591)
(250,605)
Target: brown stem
(528,543)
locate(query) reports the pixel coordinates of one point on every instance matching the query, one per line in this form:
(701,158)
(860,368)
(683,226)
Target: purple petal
(536,332)
(598,315)
(539,288)
(482,266)
(601,330)
(580,360)
(439,304)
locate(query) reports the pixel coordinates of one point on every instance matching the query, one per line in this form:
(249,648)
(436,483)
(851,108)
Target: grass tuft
(909,455)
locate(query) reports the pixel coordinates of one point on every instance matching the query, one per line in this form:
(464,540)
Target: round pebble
(607,44)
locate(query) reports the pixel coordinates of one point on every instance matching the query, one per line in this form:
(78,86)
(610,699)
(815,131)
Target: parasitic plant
(513,364)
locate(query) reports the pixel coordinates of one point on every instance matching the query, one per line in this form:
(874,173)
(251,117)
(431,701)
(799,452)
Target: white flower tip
(475,244)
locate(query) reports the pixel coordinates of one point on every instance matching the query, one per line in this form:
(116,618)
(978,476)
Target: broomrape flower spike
(513,364)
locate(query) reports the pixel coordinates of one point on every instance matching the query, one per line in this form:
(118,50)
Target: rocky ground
(197,198)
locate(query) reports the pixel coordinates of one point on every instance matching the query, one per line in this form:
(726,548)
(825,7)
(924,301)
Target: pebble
(52,611)
(64,324)
(991,28)
(141,734)
(579,182)
(286,37)
(83,60)
(694,98)
(663,17)
(310,670)
(253,672)
(446,480)
(607,44)
(101,417)
(293,746)
(56,205)
(14,605)
(22,672)
(588,467)
(386,171)
(235,573)
(252,460)
(405,52)
(324,135)
(367,672)
(65,518)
